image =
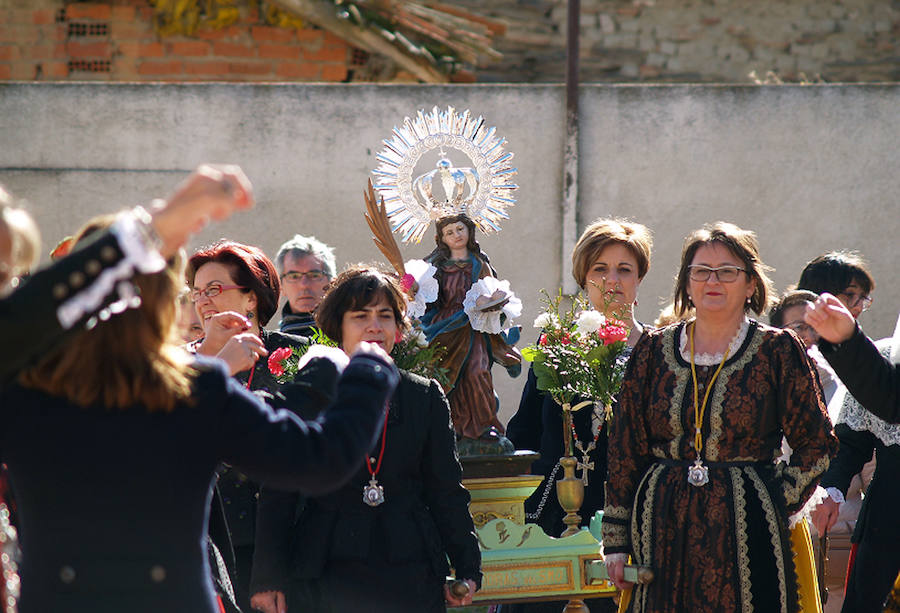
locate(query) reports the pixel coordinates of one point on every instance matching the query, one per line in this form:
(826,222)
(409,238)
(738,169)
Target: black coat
(872,379)
(113,505)
(423,520)
(239,494)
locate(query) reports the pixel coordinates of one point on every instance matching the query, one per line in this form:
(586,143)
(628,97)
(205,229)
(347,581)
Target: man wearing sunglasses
(306,266)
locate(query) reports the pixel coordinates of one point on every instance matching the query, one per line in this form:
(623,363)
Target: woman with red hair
(235,290)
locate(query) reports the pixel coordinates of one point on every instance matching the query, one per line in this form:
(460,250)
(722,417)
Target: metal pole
(570,158)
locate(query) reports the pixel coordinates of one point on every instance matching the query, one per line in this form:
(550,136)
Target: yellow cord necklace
(698,474)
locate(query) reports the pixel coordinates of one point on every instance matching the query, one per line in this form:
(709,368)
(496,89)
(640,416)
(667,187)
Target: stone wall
(700,40)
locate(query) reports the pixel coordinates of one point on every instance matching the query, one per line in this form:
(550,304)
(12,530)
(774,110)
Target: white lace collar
(712,359)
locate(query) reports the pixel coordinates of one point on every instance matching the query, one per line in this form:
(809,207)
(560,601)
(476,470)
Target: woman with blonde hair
(112,442)
(609,262)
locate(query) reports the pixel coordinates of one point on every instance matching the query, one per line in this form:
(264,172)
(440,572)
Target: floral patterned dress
(723,546)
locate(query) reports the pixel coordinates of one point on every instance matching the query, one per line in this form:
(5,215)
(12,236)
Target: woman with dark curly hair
(382,542)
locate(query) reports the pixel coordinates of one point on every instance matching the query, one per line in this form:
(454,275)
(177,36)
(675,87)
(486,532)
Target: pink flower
(407,281)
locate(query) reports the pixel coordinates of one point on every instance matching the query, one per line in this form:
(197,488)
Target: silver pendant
(698,474)
(373,494)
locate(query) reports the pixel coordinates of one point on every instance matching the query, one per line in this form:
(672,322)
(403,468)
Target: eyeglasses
(801,328)
(853,300)
(212,290)
(725,274)
(311,275)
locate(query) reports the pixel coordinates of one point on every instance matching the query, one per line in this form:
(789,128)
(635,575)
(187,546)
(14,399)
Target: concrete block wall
(116,41)
(809,168)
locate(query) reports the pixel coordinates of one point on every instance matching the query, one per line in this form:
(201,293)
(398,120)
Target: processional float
(520,561)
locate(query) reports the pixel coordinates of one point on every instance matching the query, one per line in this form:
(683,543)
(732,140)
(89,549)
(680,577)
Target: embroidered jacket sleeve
(47,307)
(629,450)
(445,496)
(804,420)
(872,379)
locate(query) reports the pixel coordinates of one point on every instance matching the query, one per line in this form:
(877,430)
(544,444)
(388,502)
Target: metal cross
(585,466)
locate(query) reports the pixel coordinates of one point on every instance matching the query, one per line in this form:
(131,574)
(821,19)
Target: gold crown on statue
(482,191)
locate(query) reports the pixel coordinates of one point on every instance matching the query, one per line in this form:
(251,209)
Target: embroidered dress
(725,545)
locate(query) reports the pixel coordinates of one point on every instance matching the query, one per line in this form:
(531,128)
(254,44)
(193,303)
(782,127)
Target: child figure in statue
(470,353)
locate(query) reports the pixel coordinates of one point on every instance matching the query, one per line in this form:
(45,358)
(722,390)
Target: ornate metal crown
(482,191)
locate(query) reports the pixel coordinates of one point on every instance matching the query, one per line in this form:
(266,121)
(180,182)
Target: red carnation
(276,359)
(542,341)
(565,339)
(612,334)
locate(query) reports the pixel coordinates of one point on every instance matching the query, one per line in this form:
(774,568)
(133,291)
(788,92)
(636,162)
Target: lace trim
(615,534)
(743,551)
(140,256)
(856,417)
(819,494)
(712,359)
(646,537)
(775,536)
(681,379)
(802,478)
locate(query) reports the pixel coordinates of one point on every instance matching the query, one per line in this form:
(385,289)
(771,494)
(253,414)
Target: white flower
(589,322)
(423,273)
(490,321)
(546,320)
(421,340)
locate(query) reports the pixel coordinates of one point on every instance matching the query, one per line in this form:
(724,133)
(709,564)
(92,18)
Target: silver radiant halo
(482,191)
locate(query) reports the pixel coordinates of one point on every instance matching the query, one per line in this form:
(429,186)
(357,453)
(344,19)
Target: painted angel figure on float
(470,316)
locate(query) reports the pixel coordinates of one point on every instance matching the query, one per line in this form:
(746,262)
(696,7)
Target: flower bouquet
(284,362)
(579,354)
(413,353)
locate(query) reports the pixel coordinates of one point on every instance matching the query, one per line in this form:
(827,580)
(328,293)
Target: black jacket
(872,379)
(424,518)
(113,505)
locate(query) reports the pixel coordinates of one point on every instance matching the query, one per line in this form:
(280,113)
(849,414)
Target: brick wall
(116,41)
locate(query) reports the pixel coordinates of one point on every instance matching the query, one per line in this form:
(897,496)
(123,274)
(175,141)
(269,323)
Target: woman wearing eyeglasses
(235,290)
(875,543)
(693,491)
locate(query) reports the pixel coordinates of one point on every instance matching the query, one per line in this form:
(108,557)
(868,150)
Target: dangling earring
(635,302)
(250,314)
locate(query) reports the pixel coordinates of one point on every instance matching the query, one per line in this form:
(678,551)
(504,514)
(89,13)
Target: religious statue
(470,316)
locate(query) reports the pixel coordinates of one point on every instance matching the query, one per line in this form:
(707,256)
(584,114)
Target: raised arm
(39,314)
(872,379)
